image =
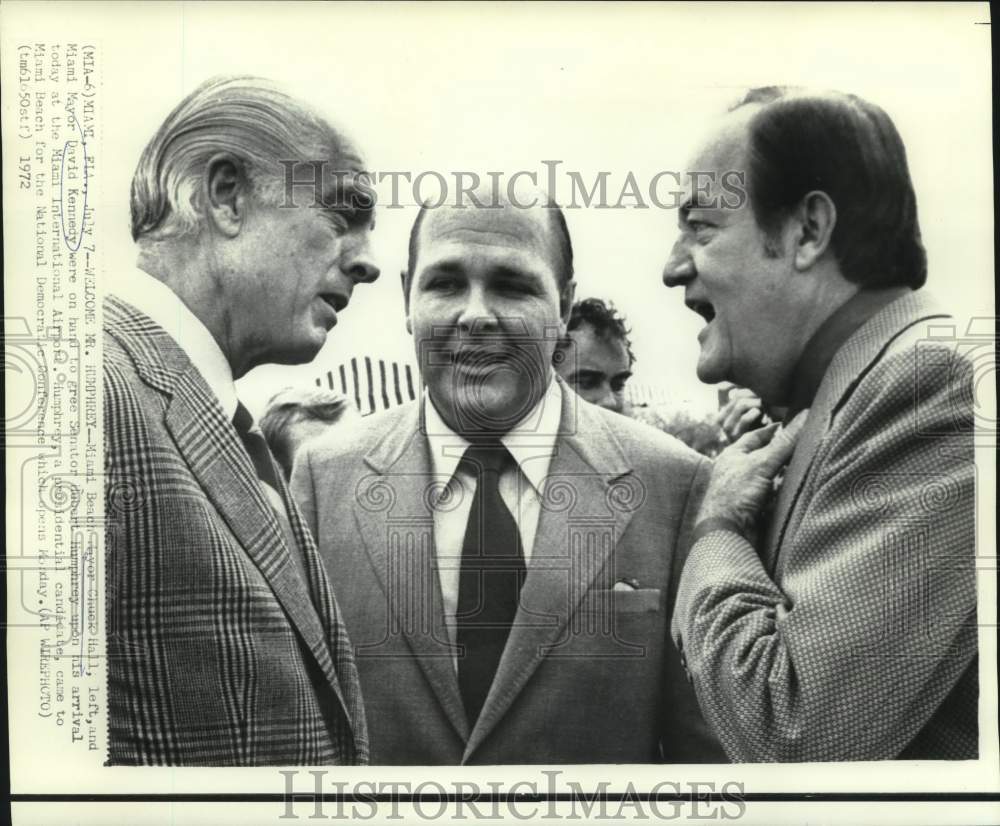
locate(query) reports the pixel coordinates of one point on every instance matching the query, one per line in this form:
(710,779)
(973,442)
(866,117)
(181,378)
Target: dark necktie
(491,577)
(260,455)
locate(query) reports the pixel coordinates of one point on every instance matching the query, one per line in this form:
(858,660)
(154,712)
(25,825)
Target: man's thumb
(756,439)
(783,444)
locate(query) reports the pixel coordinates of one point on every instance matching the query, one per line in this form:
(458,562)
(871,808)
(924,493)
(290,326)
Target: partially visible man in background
(848,632)
(595,358)
(225,644)
(295,415)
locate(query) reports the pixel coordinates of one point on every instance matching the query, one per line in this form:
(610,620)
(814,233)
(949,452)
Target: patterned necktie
(260,455)
(491,577)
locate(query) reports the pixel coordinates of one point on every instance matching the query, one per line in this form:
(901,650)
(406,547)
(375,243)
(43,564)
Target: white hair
(248,117)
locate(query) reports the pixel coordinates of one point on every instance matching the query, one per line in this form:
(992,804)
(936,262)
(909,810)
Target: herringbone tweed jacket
(852,634)
(219,652)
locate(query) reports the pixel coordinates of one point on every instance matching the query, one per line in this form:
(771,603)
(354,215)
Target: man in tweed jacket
(841,624)
(225,643)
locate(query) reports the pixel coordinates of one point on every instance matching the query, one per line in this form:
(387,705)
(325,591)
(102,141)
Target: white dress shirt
(532,443)
(154,298)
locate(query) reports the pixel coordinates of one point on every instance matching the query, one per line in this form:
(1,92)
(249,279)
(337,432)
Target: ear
(226,189)
(406,301)
(817,216)
(566,296)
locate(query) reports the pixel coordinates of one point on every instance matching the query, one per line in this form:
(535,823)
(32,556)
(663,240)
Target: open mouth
(703,308)
(335,300)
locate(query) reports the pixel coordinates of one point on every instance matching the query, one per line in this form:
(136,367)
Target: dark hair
(605,321)
(802,141)
(296,404)
(564,273)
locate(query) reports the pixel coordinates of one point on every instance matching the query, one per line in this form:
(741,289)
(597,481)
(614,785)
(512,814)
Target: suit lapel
(394,515)
(588,500)
(322,598)
(849,366)
(211,448)
(815,428)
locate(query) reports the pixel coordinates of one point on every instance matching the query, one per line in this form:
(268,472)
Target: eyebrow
(344,200)
(685,210)
(516,274)
(455,266)
(446,267)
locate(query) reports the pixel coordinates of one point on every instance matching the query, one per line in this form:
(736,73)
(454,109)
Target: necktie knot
(242,420)
(490,457)
(256,446)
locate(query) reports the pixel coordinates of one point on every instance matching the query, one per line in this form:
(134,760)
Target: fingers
(782,445)
(739,415)
(756,439)
(796,424)
(748,421)
(743,475)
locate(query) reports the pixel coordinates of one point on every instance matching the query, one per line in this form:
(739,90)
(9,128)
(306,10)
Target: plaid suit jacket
(852,634)
(219,651)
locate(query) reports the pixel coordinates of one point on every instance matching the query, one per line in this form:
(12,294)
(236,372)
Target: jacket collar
(849,365)
(163,307)
(575,417)
(829,338)
(589,481)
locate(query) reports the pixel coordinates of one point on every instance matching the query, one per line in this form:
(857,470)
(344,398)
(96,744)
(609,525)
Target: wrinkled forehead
(506,231)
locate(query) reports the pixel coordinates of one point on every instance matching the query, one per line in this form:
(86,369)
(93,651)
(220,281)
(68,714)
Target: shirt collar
(154,298)
(829,338)
(533,438)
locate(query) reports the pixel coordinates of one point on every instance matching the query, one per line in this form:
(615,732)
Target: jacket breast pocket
(627,625)
(623,601)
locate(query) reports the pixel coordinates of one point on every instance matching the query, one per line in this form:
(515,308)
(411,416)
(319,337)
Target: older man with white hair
(225,642)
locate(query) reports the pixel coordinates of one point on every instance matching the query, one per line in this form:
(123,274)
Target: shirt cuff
(716,523)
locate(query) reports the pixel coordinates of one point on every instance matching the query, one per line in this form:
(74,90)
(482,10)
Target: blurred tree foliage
(701,433)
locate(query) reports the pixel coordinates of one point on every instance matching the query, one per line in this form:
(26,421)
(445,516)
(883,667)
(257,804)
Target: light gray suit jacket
(589,674)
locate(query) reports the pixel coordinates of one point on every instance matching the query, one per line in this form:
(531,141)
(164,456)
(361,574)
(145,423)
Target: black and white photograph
(484,411)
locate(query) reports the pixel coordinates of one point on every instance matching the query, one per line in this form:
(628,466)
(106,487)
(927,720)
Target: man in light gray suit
(505,551)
